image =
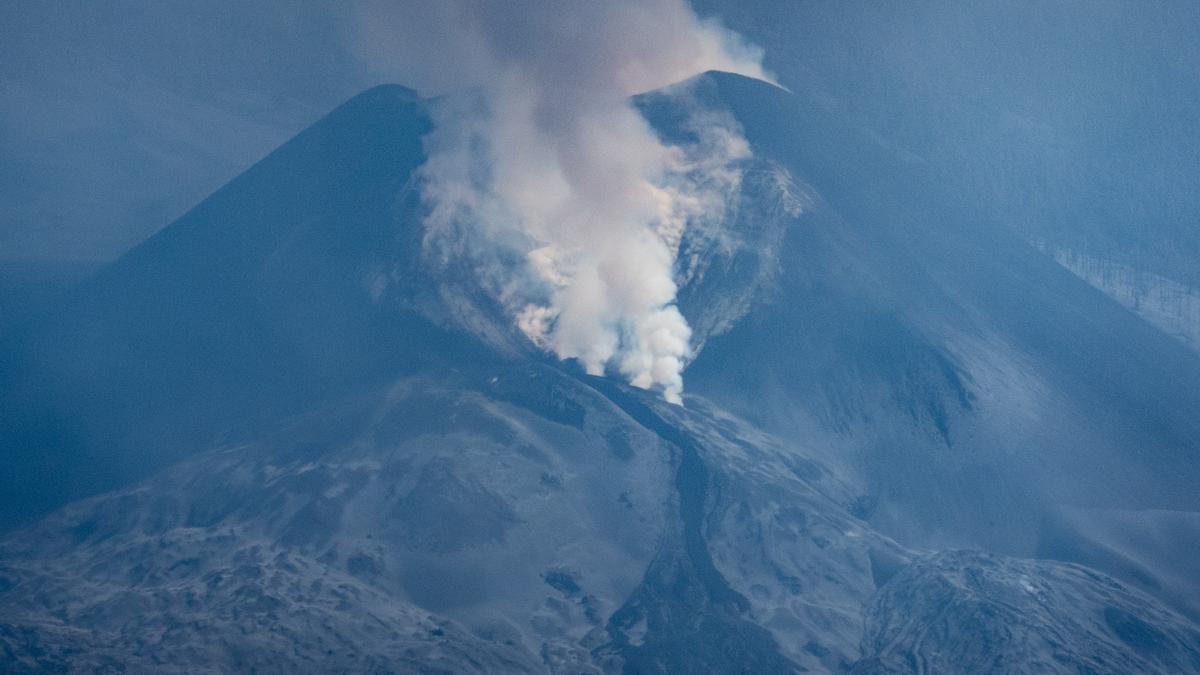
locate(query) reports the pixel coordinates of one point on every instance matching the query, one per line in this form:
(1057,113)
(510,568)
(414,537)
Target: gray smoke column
(550,162)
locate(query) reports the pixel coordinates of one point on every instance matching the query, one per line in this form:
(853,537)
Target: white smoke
(551,161)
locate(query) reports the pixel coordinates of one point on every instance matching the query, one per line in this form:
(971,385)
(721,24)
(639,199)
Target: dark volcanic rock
(974,612)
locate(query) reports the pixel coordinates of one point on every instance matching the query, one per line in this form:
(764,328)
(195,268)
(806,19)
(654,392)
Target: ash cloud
(569,205)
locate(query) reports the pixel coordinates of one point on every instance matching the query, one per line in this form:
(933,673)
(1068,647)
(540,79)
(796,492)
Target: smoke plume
(548,163)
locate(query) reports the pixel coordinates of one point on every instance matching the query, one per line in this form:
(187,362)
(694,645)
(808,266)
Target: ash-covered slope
(972,612)
(264,300)
(320,453)
(521,519)
(980,388)
(509,518)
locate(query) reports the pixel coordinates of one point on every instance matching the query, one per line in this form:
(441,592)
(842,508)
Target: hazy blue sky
(1073,119)
(118,116)
(115,117)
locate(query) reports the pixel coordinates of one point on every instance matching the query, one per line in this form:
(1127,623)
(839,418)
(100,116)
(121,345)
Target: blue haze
(273,434)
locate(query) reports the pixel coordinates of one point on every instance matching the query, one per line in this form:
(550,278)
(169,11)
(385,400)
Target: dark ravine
(693,621)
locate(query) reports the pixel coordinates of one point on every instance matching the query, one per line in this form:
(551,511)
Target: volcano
(276,435)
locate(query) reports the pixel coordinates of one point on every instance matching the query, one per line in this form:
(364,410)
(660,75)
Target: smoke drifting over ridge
(549,179)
